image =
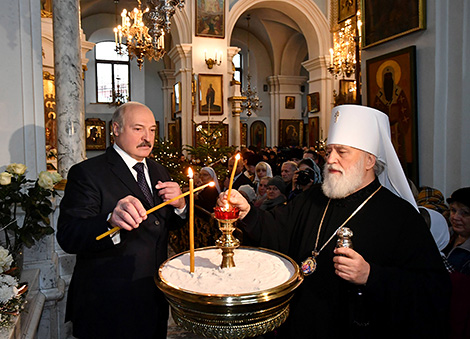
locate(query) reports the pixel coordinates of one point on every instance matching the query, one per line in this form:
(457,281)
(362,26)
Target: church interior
(267,72)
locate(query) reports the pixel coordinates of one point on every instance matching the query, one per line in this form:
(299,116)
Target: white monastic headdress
(368,129)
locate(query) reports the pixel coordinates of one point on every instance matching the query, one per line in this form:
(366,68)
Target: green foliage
(205,153)
(166,153)
(208,153)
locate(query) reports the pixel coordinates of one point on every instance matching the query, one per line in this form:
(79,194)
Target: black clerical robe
(407,292)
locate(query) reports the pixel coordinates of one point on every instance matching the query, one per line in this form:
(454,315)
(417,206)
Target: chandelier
(252,103)
(344,55)
(118,95)
(144,30)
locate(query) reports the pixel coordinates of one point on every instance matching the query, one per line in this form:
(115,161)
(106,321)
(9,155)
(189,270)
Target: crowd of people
(407,274)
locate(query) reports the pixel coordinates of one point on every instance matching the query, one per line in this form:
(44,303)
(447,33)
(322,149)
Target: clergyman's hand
(351,266)
(128,213)
(236,200)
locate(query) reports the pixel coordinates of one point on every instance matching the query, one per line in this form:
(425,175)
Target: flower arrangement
(12,294)
(31,196)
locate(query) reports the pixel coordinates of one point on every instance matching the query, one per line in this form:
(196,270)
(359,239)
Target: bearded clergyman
(391,283)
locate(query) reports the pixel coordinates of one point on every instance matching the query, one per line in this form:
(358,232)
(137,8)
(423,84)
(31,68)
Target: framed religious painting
(174,132)
(290,102)
(391,88)
(346,93)
(214,130)
(210,18)
(346,9)
(258,134)
(243,134)
(313,131)
(177,99)
(387,20)
(290,132)
(211,94)
(111,135)
(313,102)
(95,134)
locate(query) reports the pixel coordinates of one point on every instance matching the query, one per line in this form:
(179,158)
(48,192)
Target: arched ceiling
(276,32)
(92,7)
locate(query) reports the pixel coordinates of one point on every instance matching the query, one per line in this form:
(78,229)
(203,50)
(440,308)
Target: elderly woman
(458,250)
(458,255)
(275,194)
(261,191)
(207,198)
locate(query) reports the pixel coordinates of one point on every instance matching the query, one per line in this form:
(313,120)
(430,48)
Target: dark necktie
(144,187)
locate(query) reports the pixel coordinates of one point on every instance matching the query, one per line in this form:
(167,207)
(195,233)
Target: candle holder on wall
(227,216)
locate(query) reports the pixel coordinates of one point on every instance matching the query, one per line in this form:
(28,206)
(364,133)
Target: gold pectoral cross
(336,116)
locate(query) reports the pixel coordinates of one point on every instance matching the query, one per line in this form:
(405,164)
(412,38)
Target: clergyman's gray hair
(379,167)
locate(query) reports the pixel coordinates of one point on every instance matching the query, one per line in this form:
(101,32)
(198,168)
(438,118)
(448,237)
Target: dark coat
(408,290)
(112,293)
(241,180)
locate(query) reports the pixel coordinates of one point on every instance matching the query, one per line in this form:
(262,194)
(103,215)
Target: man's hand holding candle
(128,213)
(236,200)
(169,190)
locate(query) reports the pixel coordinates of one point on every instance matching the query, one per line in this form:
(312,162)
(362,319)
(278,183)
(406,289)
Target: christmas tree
(206,153)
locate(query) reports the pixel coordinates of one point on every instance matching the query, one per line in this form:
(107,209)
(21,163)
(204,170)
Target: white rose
(16,169)
(45,180)
(8,280)
(5,260)
(56,177)
(5,178)
(6,293)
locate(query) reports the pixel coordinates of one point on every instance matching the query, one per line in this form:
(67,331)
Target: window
(112,73)
(237,62)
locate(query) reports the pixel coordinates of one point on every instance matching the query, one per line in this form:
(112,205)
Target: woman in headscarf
(262,169)
(207,197)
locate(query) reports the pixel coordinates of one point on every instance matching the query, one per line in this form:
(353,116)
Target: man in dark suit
(239,178)
(112,293)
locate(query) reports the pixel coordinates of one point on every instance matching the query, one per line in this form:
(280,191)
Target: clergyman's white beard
(338,186)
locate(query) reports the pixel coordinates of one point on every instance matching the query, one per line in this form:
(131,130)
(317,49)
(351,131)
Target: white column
(168,80)
(69,86)
(181,56)
(282,86)
(235,99)
(321,81)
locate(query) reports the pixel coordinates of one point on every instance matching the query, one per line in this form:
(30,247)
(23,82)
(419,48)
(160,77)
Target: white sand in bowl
(255,270)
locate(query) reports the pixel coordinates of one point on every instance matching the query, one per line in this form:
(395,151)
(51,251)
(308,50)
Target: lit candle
(205,54)
(191,220)
(123,17)
(115,36)
(237,157)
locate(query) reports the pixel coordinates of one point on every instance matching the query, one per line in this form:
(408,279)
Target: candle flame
(227,207)
(212,184)
(190,173)
(237,156)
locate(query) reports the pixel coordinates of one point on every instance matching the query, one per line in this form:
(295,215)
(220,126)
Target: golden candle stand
(230,315)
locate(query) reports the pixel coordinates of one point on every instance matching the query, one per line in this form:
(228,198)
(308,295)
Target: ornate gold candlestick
(227,242)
